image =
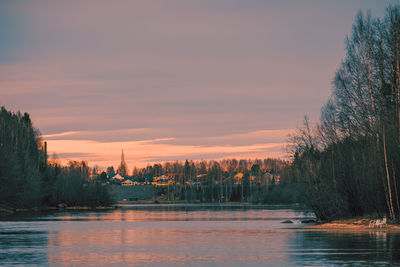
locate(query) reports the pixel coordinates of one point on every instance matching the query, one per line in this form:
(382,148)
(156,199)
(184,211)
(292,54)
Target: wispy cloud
(63,135)
(71,146)
(106,135)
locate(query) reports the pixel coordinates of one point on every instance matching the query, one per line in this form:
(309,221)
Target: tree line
(28,179)
(228,166)
(348,163)
(250,180)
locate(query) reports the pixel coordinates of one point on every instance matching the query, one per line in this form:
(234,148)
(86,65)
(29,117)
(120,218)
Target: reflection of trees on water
(375,247)
(13,246)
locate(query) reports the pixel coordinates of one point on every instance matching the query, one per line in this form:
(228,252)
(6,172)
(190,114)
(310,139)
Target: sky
(171,80)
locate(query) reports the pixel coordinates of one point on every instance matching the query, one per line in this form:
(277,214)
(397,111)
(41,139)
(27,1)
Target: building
(123,167)
(117,177)
(163,180)
(128,183)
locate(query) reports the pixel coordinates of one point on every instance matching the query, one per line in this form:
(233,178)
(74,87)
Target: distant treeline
(228,167)
(349,164)
(219,181)
(27,180)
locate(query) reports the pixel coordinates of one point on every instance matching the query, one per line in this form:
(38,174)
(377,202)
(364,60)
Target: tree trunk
(391,210)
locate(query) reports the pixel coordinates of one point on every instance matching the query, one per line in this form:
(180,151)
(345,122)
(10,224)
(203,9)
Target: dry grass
(355,224)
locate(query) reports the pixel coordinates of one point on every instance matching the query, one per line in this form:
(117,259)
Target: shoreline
(354,224)
(11,211)
(178,202)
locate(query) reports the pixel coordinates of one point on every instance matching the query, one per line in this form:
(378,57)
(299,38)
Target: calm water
(189,235)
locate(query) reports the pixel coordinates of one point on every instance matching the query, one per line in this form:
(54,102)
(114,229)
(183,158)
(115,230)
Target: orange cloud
(140,153)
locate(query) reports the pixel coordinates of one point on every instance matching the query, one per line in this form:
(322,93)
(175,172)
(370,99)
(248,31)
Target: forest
(349,162)
(29,180)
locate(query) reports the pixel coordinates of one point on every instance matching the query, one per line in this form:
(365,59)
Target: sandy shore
(357,224)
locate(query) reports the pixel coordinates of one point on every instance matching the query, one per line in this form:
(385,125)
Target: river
(187,235)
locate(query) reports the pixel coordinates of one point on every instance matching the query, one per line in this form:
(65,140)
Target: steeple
(123,167)
(122,156)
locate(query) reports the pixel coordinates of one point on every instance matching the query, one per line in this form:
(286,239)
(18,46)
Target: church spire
(123,167)
(122,156)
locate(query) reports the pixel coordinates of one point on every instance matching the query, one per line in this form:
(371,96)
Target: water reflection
(170,237)
(23,246)
(340,248)
(183,236)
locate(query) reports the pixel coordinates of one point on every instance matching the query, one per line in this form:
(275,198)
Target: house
(128,183)
(238,176)
(117,177)
(163,182)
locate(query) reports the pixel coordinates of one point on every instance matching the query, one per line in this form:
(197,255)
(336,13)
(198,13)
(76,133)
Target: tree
(29,180)
(22,160)
(110,171)
(350,157)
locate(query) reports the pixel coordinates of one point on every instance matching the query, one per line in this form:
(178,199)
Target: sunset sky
(171,80)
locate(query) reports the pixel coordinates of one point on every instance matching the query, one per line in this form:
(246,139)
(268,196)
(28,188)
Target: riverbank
(5,212)
(354,224)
